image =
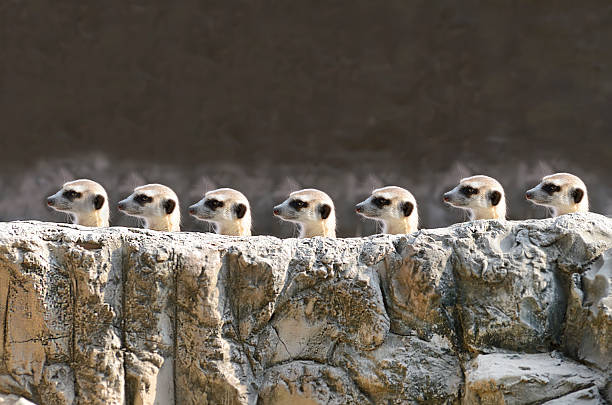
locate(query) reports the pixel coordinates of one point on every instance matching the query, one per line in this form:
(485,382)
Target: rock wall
(478,313)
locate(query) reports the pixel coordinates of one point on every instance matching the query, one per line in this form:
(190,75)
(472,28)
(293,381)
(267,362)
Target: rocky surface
(480,312)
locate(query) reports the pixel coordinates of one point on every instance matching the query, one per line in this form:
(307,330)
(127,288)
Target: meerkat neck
(403,226)
(498,212)
(322,228)
(235,228)
(570,209)
(165,223)
(93,219)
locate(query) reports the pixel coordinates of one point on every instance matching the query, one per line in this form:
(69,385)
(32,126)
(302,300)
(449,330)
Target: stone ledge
(118,315)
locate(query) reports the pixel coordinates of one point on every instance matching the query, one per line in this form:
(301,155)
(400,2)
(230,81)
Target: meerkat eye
(213,204)
(550,188)
(143,199)
(468,191)
(381,201)
(71,195)
(298,204)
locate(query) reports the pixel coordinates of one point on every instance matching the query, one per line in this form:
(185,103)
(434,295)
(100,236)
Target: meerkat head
(157,204)
(85,200)
(563,192)
(228,209)
(482,196)
(312,209)
(394,206)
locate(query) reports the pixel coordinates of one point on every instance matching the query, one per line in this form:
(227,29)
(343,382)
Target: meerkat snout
(228,209)
(482,196)
(158,205)
(312,210)
(85,200)
(564,193)
(394,206)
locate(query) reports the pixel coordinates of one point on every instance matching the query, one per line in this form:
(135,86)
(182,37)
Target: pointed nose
(192,210)
(50,201)
(529,195)
(276,211)
(121,206)
(446,197)
(358,208)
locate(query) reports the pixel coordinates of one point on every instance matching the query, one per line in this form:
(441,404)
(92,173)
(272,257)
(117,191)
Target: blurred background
(268,97)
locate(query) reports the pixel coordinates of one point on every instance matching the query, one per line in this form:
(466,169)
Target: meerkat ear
(577,194)
(98,201)
(169,206)
(240,210)
(325,210)
(407,208)
(495,197)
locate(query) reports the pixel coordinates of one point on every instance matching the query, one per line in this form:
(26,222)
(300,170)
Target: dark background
(271,96)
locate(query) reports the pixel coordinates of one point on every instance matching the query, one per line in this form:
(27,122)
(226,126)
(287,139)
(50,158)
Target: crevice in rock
(235,312)
(5,321)
(73,339)
(124,272)
(384,296)
(281,340)
(175,323)
(460,346)
(300,359)
(560,309)
(40,339)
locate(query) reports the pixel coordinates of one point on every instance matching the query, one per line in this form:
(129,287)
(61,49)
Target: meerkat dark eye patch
(468,191)
(98,201)
(169,206)
(407,208)
(143,199)
(325,210)
(495,197)
(577,195)
(213,203)
(71,195)
(551,188)
(240,210)
(381,202)
(298,204)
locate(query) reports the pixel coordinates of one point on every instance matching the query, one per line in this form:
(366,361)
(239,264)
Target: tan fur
(225,218)
(392,215)
(154,214)
(562,201)
(478,205)
(309,218)
(82,208)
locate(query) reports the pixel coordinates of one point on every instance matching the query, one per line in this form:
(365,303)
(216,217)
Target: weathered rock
(122,315)
(404,369)
(587,396)
(525,378)
(588,331)
(512,281)
(304,382)
(418,283)
(13,400)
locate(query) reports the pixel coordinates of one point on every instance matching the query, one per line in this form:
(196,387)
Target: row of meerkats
(311,209)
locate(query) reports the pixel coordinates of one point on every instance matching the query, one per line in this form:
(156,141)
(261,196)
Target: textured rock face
(481,312)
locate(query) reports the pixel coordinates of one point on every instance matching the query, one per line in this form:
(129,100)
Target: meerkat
(482,196)
(312,210)
(156,204)
(227,208)
(564,193)
(394,206)
(85,200)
